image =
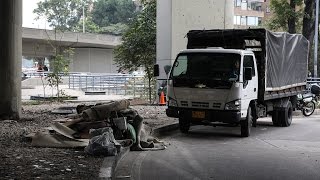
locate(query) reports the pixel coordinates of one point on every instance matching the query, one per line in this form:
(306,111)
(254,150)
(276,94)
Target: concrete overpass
(11,53)
(92,52)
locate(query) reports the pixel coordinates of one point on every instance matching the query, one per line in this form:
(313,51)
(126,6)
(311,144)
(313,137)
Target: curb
(110,163)
(164,129)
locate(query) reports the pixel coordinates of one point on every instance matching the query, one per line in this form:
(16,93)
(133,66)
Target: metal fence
(312,80)
(111,84)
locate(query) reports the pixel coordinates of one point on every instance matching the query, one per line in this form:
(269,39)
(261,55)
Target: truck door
(250,87)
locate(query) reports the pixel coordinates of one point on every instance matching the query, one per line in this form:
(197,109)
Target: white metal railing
(118,84)
(312,80)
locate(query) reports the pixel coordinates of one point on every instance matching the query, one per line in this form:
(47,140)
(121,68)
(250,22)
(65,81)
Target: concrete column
(10,58)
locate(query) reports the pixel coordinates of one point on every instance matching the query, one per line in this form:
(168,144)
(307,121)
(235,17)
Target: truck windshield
(212,70)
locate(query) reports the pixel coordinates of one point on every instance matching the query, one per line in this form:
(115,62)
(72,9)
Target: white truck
(233,77)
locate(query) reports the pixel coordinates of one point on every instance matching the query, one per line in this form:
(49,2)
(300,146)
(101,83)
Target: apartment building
(251,13)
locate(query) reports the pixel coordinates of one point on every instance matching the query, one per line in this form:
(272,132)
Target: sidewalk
(38,90)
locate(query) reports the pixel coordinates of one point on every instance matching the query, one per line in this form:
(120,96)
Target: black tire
(275,118)
(254,117)
(285,115)
(184,125)
(246,124)
(309,108)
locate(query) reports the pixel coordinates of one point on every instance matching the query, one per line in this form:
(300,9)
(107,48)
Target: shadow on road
(220,132)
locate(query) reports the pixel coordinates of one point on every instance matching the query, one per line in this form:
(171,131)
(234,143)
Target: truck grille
(200,104)
(216,105)
(184,103)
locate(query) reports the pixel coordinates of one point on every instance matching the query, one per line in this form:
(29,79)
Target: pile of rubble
(103,129)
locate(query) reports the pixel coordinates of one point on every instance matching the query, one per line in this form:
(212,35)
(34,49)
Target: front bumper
(230,117)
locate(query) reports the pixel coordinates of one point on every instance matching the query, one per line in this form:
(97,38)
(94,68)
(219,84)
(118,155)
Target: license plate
(198,114)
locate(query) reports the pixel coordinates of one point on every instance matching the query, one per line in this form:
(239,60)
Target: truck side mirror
(247,73)
(156,70)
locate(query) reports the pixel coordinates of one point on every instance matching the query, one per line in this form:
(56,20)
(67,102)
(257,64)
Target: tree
(309,20)
(139,44)
(114,29)
(286,15)
(108,12)
(287,18)
(63,15)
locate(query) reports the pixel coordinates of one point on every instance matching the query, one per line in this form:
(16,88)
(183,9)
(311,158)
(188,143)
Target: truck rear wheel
(285,115)
(275,118)
(184,125)
(246,124)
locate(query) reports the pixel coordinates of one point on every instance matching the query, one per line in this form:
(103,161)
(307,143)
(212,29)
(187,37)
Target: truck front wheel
(246,124)
(184,125)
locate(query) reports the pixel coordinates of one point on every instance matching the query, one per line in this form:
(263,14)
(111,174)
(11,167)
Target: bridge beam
(10,58)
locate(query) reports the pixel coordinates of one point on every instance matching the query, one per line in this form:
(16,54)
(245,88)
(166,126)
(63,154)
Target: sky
(28,16)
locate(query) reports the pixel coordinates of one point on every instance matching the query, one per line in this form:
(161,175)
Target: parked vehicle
(306,103)
(234,77)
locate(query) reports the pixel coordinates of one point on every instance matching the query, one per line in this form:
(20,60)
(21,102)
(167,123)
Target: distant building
(251,13)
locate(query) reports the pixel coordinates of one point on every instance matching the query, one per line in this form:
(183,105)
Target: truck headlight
(233,105)
(172,103)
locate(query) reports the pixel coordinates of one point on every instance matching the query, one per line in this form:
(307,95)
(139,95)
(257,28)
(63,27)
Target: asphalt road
(220,153)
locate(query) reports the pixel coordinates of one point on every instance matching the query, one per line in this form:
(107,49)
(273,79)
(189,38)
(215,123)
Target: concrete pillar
(10,58)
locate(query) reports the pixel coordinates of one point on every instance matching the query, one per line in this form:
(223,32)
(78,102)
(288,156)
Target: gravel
(19,160)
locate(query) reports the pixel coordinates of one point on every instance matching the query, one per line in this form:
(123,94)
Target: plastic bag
(102,142)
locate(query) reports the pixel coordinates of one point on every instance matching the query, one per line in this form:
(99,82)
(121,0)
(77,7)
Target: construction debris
(102,129)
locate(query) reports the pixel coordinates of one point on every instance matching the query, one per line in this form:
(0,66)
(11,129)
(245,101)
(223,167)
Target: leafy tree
(114,29)
(60,63)
(309,20)
(292,15)
(139,44)
(286,15)
(63,15)
(108,12)
(90,26)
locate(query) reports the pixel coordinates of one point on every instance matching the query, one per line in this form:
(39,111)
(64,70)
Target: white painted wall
(93,60)
(176,17)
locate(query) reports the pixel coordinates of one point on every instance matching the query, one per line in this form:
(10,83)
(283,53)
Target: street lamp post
(315,63)
(83,20)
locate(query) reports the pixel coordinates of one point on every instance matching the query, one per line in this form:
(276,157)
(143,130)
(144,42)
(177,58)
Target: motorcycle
(306,103)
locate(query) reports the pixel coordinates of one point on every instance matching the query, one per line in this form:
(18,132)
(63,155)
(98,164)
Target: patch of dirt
(19,160)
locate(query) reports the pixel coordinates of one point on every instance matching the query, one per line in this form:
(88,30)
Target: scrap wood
(101,112)
(74,121)
(63,130)
(63,120)
(86,126)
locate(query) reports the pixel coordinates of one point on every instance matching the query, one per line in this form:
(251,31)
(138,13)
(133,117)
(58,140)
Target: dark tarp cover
(285,55)
(287,60)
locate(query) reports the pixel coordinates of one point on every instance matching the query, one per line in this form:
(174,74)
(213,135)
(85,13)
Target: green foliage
(282,12)
(90,26)
(60,67)
(63,15)
(139,43)
(114,29)
(108,12)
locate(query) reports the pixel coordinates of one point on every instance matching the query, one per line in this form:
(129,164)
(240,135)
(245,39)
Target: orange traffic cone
(162,101)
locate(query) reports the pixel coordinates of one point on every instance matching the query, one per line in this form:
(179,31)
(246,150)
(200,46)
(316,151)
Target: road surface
(220,153)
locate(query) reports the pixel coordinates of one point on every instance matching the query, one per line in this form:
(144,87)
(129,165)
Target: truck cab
(206,86)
